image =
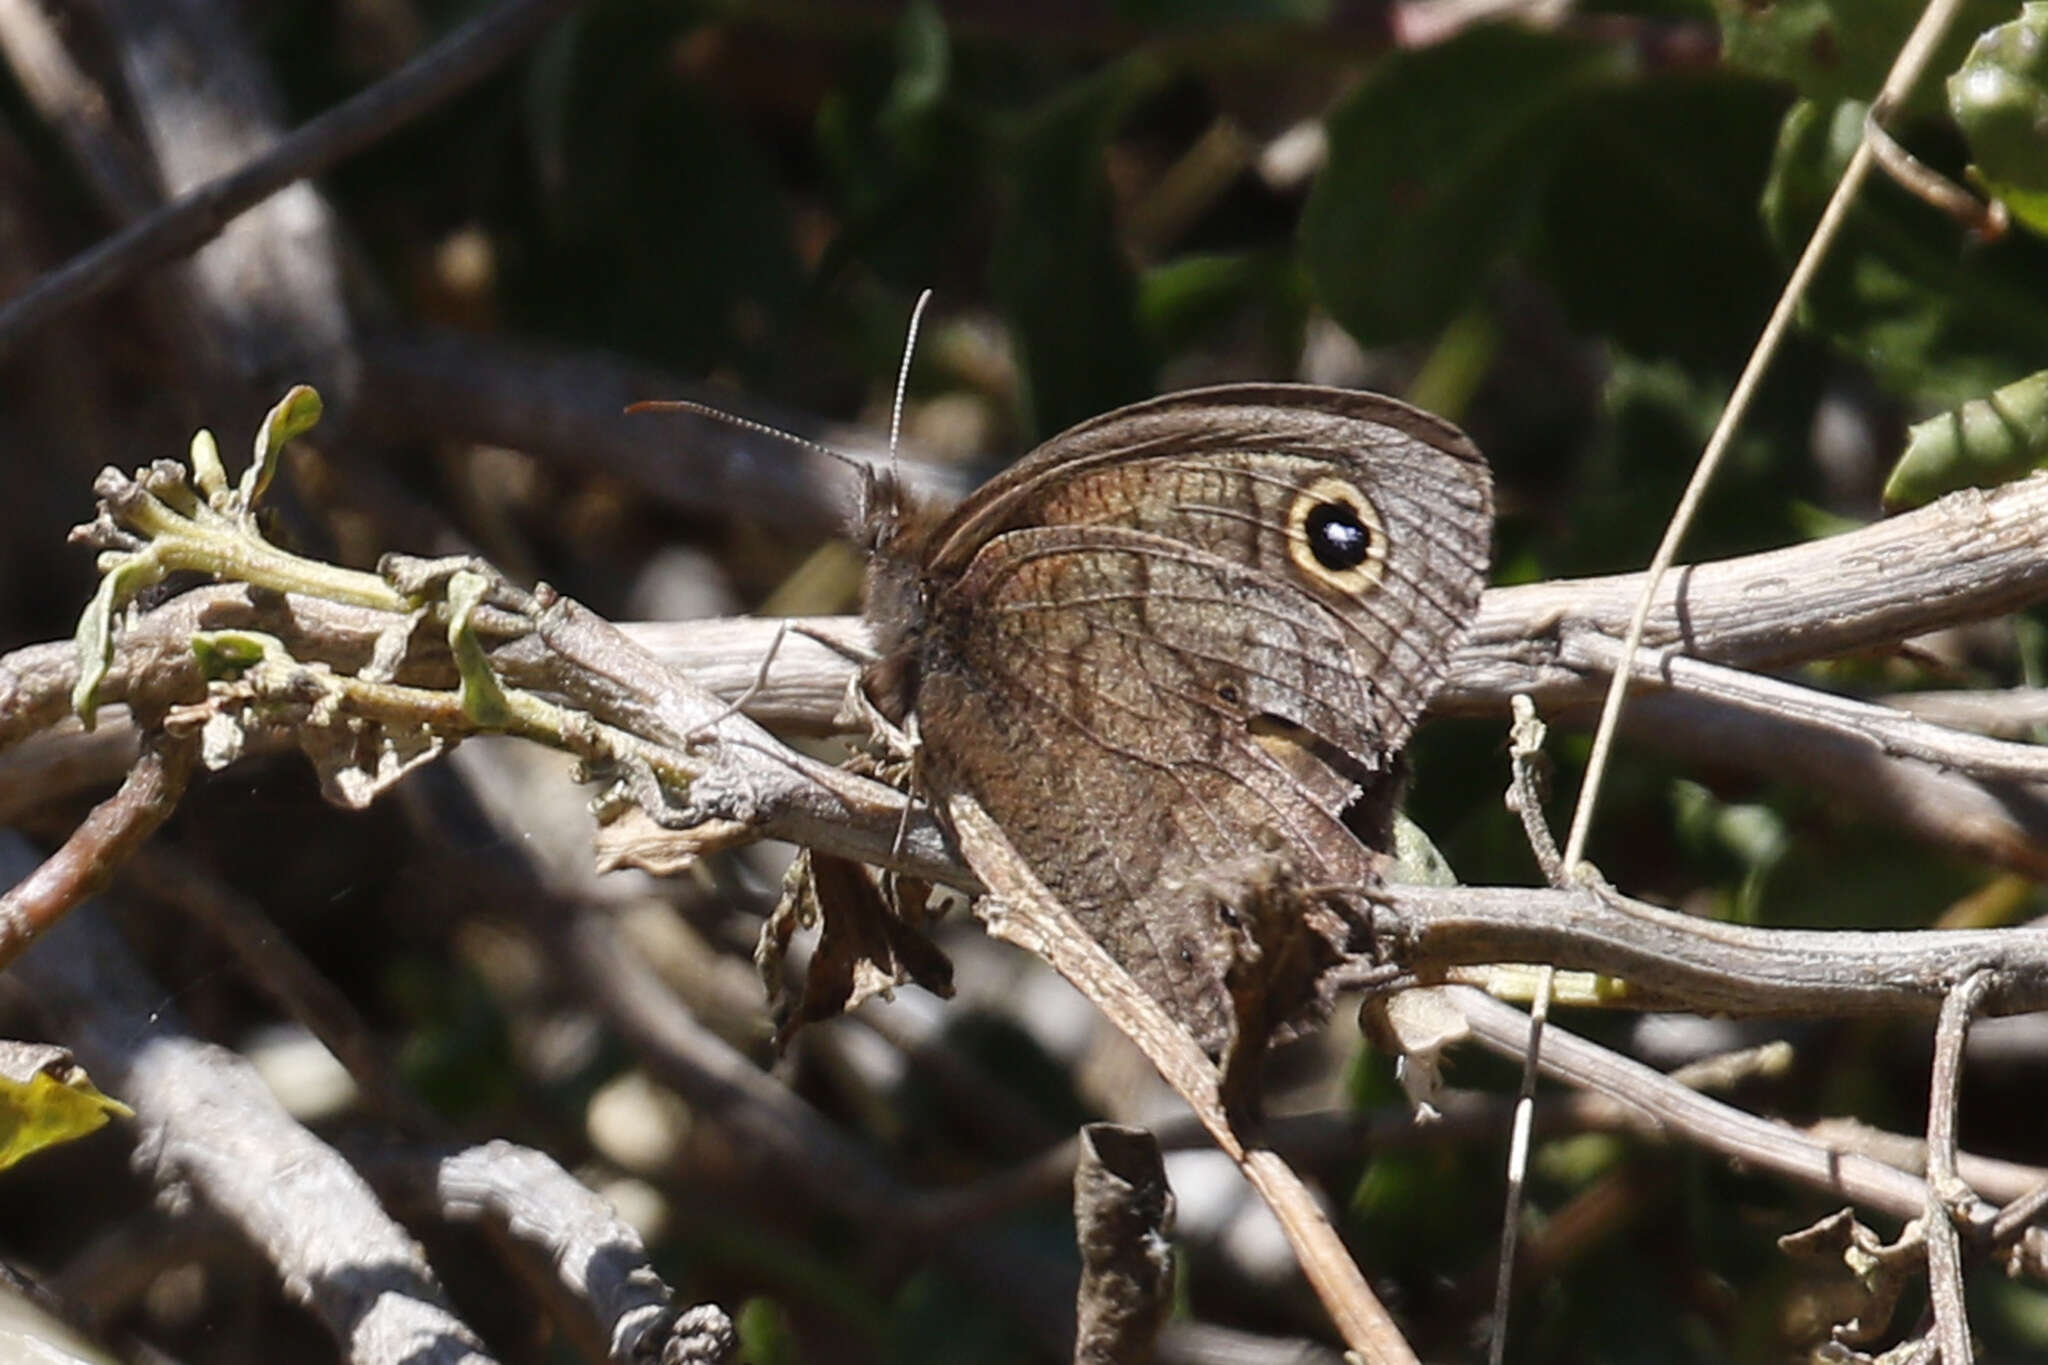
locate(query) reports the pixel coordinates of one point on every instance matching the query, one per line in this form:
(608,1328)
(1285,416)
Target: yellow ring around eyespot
(1360,578)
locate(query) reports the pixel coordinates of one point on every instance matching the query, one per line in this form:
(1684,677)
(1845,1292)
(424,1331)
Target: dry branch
(598,1257)
(1967,557)
(116,827)
(1123,1215)
(209,1126)
(451,65)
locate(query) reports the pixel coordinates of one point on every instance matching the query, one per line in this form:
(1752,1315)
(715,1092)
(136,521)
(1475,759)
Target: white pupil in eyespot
(1337,537)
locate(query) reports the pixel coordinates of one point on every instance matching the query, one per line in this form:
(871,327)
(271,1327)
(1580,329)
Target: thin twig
(1525,752)
(1706,1122)
(2003,713)
(1993,1177)
(1896,733)
(100,844)
(1945,1189)
(1987,221)
(448,67)
(1683,961)
(1526,774)
(2020,1212)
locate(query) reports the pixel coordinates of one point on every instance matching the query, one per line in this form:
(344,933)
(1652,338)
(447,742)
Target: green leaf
(297,413)
(1056,268)
(1435,164)
(225,653)
(1650,232)
(765,1333)
(208,472)
(1417,859)
(1935,317)
(482,699)
(46,1098)
(1179,300)
(1751,835)
(924,58)
(1832,50)
(1984,442)
(121,577)
(1999,98)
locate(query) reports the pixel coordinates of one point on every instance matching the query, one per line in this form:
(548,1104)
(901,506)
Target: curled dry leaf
(869,943)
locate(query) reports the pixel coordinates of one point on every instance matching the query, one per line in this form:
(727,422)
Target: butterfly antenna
(903,374)
(745,424)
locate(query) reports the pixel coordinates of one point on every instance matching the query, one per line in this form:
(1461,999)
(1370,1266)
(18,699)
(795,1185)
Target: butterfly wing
(1185,631)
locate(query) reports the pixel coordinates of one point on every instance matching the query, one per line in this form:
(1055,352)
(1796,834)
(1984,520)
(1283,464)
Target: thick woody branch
(207,1123)
(1969,556)
(599,1258)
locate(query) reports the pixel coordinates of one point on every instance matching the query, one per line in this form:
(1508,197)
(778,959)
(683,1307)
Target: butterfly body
(1178,634)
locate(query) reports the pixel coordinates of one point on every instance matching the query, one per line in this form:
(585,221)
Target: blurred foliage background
(1563,232)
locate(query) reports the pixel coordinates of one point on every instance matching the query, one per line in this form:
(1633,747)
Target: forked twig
(1945,1189)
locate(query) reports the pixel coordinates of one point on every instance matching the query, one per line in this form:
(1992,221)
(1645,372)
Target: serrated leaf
(1434,168)
(46,1098)
(1935,318)
(1984,442)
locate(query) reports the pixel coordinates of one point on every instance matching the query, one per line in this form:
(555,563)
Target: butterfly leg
(895,742)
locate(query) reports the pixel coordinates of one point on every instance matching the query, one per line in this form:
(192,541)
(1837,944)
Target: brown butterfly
(1178,635)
